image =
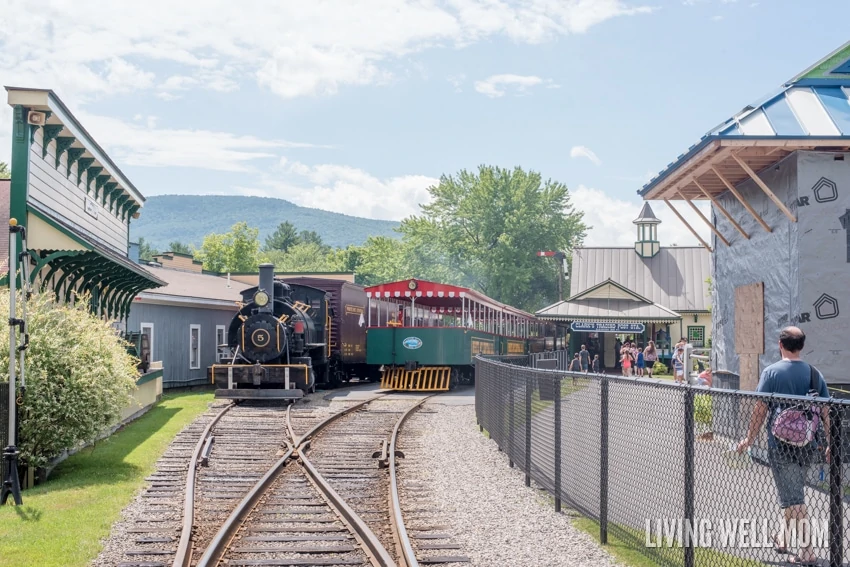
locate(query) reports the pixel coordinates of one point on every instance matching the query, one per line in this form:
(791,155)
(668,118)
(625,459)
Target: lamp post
(560,257)
(12,484)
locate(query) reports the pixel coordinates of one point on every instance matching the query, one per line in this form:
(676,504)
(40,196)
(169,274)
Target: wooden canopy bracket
(741,199)
(681,218)
(765,188)
(705,219)
(720,208)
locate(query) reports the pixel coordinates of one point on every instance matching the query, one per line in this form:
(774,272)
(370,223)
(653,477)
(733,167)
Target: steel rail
(218,546)
(407,555)
(327,421)
(183,556)
(378,554)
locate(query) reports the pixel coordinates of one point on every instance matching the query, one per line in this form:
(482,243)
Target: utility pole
(559,257)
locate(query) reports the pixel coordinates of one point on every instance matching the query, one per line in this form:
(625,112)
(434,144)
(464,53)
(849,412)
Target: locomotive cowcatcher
(278,342)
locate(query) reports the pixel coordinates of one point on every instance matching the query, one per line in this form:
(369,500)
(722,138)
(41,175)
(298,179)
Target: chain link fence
(654,463)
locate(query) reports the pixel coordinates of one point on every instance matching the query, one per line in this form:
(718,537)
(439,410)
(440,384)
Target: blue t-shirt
(789,377)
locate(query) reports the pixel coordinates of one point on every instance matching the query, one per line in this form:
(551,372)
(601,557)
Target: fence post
(529,390)
(556,385)
(603,463)
(511,421)
(689,475)
(836,507)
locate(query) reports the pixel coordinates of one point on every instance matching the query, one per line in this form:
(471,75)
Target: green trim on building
(152,375)
(21,141)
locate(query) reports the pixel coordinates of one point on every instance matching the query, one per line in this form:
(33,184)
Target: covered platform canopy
(416,302)
(809,112)
(608,302)
(76,205)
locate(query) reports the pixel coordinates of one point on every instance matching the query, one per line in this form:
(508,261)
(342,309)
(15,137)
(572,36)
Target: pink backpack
(798,425)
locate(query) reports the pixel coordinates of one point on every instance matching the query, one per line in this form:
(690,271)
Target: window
(696,336)
(194,347)
(147,329)
(220,342)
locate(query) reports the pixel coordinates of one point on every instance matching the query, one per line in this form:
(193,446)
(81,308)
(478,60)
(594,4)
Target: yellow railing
(428,378)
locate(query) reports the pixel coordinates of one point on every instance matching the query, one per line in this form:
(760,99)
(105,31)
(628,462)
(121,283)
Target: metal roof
(646,216)
(814,105)
(608,310)
(674,278)
(186,284)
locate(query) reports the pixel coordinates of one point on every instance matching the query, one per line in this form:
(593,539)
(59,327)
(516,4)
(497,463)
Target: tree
(146,251)
(5,172)
(302,257)
(380,259)
(283,238)
(179,247)
(234,251)
(483,230)
(310,237)
(345,259)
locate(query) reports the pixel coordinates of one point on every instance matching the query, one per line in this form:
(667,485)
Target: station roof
(191,288)
(608,311)
(809,112)
(433,294)
(63,126)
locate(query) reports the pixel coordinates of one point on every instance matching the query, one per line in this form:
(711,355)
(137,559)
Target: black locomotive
(279,342)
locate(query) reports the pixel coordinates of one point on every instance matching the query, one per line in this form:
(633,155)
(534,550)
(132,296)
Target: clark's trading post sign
(596,327)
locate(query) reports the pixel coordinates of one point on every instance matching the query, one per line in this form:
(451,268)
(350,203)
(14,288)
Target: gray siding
(171,338)
(50,188)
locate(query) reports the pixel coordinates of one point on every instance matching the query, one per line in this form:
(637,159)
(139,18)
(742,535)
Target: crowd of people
(638,361)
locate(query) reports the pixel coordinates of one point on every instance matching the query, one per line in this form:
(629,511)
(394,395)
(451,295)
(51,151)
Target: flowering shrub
(79,376)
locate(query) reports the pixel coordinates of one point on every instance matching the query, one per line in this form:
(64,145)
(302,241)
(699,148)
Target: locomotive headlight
(261,298)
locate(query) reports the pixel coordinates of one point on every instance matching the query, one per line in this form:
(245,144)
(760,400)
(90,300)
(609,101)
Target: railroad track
(325,498)
(200,479)
(423,540)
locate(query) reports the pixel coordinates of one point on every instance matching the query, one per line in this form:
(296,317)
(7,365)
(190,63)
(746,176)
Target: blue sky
(358,106)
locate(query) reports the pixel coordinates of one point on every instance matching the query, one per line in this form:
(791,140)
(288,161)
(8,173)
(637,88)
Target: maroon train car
(347,353)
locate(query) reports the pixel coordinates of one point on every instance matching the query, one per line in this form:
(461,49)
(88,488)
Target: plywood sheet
(749,372)
(749,319)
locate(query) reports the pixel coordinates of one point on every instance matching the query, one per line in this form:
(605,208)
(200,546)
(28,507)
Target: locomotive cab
(277,342)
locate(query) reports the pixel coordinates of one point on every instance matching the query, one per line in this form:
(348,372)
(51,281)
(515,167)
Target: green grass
(63,521)
(625,552)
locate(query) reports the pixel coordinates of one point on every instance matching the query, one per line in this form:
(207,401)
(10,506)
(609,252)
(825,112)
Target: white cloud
(611,219)
(293,48)
(585,152)
(143,144)
(497,85)
(716,18)
(347,190)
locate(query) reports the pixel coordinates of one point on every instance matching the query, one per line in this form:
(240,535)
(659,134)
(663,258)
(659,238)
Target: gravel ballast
(495,518)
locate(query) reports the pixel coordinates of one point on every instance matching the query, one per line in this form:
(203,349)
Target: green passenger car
(425,335)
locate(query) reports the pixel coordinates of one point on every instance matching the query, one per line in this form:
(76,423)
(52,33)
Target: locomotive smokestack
(267,283)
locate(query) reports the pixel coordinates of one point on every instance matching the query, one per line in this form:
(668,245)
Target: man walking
(788,463)
(584,358)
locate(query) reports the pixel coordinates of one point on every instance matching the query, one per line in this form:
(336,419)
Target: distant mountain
(188,218)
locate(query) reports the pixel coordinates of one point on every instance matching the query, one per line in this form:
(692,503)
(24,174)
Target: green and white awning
(82,266)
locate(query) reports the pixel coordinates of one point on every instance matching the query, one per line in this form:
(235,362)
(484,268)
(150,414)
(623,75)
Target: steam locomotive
(279,342)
